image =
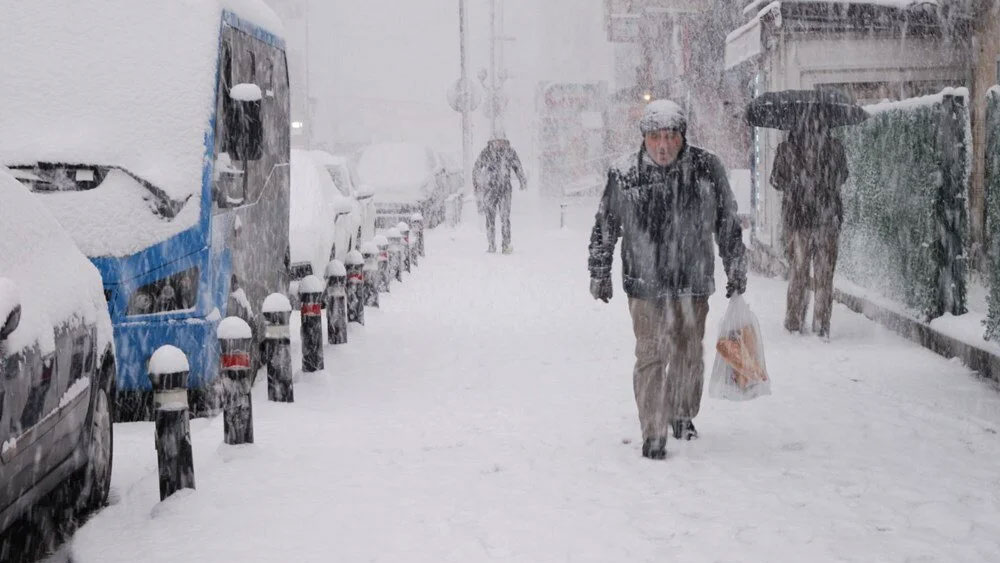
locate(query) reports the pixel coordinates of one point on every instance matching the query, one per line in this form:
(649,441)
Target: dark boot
(654,448)
(684,430)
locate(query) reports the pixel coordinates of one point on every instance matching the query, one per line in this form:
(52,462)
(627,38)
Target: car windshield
(339,175)
(61,177)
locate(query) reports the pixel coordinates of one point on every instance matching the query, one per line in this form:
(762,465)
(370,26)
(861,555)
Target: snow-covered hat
(663,114)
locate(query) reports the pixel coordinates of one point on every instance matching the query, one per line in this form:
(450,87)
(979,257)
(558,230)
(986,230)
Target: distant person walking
(493,188)
(810,167)
(667,202)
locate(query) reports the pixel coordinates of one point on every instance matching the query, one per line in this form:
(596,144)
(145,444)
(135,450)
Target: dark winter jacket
(667,218)
(810,171)
(491,174)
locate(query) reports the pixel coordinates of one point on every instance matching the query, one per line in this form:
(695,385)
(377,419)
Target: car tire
(93,481)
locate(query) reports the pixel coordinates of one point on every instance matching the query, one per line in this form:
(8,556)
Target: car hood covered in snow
(126,83)
(52,280)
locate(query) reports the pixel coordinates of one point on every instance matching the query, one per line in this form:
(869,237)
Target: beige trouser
(816,248)
(669,363)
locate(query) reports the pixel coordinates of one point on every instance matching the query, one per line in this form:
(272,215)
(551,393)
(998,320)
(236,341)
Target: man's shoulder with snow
(705,158)
(624,167)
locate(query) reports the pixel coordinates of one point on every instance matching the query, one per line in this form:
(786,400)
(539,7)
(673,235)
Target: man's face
(664,145)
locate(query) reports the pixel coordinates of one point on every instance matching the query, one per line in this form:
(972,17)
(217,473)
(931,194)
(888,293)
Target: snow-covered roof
(55,283)
(114,82)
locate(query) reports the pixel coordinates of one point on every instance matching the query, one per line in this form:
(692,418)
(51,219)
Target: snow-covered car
(339,169)
(406,178)
(57,384)
(325,223)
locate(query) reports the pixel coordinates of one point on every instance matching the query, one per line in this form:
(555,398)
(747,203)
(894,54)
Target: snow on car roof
(55,282)
(128,83)
(395,169)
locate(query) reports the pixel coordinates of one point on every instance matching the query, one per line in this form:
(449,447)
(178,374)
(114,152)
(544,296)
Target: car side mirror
(244,123)
(11,322)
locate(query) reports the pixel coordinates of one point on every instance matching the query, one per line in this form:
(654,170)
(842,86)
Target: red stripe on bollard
(238,360)
(357,277)
(312,309)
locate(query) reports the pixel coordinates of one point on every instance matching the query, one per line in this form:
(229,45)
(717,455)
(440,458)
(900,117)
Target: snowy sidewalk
(486,413)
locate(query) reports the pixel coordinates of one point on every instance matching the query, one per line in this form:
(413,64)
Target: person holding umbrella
(810,166)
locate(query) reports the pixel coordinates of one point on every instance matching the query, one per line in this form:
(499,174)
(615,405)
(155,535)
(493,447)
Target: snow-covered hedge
(993,211)
(905,209)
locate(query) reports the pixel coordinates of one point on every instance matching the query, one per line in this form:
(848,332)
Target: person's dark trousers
(815,248)
(501,203)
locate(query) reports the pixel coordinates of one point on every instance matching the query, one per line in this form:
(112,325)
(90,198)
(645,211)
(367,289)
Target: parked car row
(407,178)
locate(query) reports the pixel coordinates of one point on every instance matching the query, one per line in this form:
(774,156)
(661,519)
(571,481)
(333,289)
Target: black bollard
(417,227)
(384,276)
(369,251)
(168,372)
(335,298)
(404,230)
(395,253)
(311,299)
(277,339)
(355,287)
(235,340)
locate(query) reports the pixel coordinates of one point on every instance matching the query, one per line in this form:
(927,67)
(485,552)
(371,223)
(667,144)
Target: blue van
(158,135)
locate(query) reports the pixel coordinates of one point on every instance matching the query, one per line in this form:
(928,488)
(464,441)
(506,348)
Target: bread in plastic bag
(739,372)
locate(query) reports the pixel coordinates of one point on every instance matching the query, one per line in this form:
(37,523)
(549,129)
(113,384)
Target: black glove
(737,284)
(600,288)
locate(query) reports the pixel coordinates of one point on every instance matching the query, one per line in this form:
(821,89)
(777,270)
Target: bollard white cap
(416,217)
(380,240)
(354,258)
(403,227)
(370,247)
(312,284)
(277,303)
(335,268)
(233,328)
(168,359)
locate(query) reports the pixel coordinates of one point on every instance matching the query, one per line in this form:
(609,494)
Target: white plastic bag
(739,373)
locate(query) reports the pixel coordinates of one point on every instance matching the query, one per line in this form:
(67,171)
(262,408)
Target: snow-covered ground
(486,413)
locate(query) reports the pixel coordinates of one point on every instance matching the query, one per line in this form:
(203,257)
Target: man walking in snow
(810,166)
(667,202)
(493,189)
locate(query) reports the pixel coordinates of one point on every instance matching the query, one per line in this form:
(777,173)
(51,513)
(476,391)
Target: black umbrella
(794,109)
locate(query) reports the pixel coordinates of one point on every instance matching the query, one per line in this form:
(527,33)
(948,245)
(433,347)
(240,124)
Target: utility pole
(497,74)
(465,94)
(493,66)
(309,116)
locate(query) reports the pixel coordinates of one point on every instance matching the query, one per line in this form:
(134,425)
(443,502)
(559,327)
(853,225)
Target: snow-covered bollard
(417,227)
(562,215)
(277,338)
(384,276)
(235,339)
(404,230)
(336,303)
(168,372)
(311,299)
(355,287)
(369,251)
(395,253)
